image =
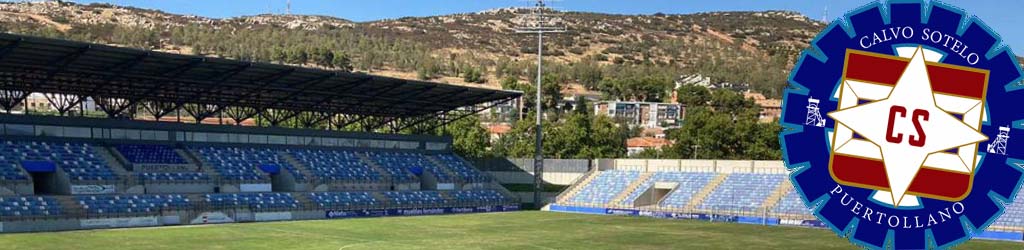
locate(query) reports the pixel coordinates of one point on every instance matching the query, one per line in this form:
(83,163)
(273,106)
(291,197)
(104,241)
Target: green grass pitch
(518,230)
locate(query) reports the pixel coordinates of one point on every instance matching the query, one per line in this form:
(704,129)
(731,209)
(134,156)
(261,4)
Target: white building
(643,114)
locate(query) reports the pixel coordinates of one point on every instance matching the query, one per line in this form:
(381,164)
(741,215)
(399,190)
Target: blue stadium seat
(486,196)
(742,192)
(26,206)
(165,177)
(400,165)
(415,198)
(255,201)
(343,199)
(603,188)
(689,184)
(9,170)
(150,154)
(78,160)
(129,204)
(339,165)
(462,169)
(1014,215)
(242,163)
(791,204)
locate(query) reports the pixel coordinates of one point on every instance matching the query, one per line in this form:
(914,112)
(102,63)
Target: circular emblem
(898,125)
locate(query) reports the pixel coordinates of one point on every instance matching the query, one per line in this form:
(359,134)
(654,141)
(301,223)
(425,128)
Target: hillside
(752,47)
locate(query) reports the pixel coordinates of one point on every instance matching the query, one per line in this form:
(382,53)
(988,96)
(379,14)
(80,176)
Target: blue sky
(1001,15)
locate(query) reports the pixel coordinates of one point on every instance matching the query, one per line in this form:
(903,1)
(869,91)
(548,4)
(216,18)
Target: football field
(519,230)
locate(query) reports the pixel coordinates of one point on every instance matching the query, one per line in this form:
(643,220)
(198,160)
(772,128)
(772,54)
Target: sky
(1001,15)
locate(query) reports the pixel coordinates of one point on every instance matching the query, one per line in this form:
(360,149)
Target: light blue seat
(603,188)
(689,183)
(242,163)
(133,204)
(78,160)
(1013,216)
(742,192)
(464,171)
(479,196)
(401,164)
(415,198)
(336,165)
(343,199)
(791,204)
(254,201)
(29,206)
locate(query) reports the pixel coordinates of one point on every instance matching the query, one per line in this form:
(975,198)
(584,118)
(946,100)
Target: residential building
(643,114)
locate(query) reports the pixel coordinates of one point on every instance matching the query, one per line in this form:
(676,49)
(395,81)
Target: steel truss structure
(128,83)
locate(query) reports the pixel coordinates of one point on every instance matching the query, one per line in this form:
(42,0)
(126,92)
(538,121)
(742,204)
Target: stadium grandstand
(750,192)
(177,139)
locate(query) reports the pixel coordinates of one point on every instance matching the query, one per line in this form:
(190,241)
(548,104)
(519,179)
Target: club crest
(897,126)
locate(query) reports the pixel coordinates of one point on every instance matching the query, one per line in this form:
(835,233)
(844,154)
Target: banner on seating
(803,222)
(93,189)
(265,187)
(120,222)
(272,216)
(212,218)
(417,211)
(670,215)
(39,166)
(171,220)
(446,186)
(631,212)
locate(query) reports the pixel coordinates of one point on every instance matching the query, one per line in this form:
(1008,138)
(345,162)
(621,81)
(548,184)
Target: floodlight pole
(537,23)
(538,156)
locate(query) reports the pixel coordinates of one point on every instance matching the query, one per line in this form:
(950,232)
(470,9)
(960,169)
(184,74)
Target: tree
(588,73)
(469,138)
(608,139)
(708,134)
(578,136)
(693,95)
(473,75)
(342,61)
(733,103)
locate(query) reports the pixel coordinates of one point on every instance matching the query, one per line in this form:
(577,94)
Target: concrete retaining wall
(717,166)
(169,188)
(40,225)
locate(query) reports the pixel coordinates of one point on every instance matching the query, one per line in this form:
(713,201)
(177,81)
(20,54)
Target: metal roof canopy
(33,64)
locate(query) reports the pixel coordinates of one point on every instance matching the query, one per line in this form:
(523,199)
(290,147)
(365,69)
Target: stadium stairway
(116,165)
(304,200)
(302,168)
(195,161)
(705,192)
(206,167)
(443,167)
(373,164)
(379,196)
(189,157)
(632,187)
(576,187)
(776,195)
(69,204)
(447,196)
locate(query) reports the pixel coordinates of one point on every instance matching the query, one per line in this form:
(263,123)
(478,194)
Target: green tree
(473,75)
(469,138)
(693,95)
(608,139)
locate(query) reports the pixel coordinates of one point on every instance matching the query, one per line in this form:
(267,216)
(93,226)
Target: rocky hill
(753,47)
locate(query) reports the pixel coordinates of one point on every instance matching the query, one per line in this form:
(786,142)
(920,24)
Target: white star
(940,131)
